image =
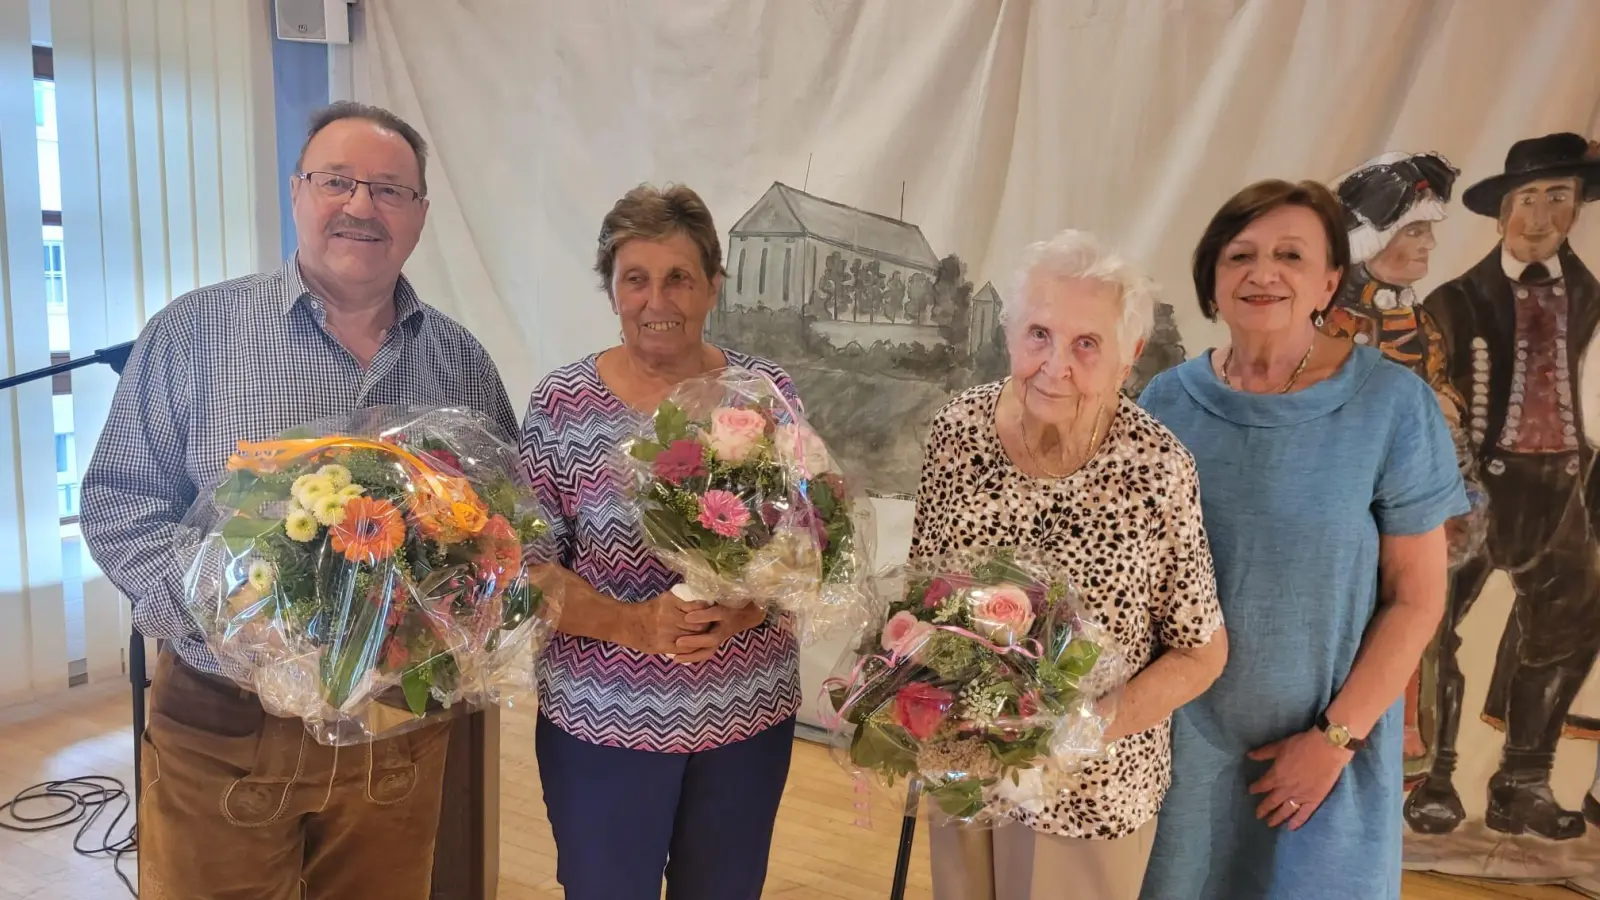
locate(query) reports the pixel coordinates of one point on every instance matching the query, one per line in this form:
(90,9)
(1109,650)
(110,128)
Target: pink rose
(723,513)
(919,708)
(734,433)
(1002,614)
(904,633)
(681,460)
(938,590)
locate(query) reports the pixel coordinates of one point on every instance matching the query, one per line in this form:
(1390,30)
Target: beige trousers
(1014,862)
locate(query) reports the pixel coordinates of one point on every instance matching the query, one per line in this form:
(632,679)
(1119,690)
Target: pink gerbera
(723,513)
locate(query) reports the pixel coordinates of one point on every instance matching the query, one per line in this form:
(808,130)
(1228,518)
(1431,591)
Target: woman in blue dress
(1326,474)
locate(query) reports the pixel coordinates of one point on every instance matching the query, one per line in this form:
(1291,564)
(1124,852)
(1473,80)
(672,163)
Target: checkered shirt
(245,360)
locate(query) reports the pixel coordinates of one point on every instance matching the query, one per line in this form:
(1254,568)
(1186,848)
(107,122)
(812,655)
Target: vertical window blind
(165,135)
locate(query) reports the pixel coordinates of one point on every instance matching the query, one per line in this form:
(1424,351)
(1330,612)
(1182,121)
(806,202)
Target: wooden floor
(819,852)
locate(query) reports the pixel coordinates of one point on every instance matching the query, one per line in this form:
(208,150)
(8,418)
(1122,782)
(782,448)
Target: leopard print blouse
(1126,527)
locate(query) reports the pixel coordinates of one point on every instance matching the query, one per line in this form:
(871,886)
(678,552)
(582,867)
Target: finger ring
(1294,804)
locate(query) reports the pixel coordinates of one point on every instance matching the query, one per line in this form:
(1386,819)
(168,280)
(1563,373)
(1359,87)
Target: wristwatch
(1339,735)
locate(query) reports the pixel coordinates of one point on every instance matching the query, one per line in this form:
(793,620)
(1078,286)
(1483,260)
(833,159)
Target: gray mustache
(362,226)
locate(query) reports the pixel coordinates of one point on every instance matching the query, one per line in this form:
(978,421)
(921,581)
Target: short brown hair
(651,213)
(377,115)
(1251,204)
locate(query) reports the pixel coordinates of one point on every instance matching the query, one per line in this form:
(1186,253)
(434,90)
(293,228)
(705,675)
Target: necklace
(1088,450)
(1287,386)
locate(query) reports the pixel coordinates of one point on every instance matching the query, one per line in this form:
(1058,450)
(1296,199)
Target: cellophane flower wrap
(986,683)
(740,496)
(370,573)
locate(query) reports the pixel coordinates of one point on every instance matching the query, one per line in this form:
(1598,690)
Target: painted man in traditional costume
(1515,329)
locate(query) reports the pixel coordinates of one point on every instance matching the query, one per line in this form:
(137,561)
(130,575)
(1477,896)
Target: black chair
(140,682)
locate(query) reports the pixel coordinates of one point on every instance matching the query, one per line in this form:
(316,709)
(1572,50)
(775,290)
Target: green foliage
(1077,659)
(500,496)
(1002,568)
(242,533)
(951,656)
(378,472)
(249,493)
(961,799)
(884,748)
(530,528)
(672,423)
(417,683)
(356,630)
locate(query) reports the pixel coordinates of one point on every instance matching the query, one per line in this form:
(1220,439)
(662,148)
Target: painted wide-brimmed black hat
(1561,155)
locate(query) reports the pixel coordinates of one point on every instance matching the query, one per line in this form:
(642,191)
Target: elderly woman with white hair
(1055,459)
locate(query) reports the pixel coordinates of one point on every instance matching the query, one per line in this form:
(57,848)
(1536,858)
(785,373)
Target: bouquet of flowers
(367,574)
(986,683)
(741,497)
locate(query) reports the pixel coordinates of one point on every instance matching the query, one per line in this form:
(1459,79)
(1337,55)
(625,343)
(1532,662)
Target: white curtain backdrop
(168,182)
(997,121)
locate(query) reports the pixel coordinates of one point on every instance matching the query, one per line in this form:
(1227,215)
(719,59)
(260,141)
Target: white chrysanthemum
(262,575)
(351,490)
(300,525)
(337,475)
(307,488)
(329,509)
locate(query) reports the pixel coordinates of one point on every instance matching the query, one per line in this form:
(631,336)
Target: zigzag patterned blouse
(602,692)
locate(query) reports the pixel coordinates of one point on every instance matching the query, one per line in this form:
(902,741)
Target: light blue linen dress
(1295,489)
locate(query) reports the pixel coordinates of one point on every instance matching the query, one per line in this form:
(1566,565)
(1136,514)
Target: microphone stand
(116,357)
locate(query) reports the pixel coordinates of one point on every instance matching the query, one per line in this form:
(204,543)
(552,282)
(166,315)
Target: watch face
(1338,735)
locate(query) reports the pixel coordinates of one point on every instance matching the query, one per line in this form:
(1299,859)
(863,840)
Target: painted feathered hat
(1389,192)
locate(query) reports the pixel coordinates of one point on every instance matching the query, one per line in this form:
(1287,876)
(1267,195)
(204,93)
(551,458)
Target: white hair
(1079,254)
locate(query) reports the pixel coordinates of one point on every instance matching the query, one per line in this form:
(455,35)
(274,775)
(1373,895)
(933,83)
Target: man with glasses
(237,802)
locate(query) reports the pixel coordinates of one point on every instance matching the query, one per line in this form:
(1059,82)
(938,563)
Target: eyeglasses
(391,196)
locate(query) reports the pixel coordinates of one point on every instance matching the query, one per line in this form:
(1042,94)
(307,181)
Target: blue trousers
(622,817)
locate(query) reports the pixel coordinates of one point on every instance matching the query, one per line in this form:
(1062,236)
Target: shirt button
(1522,293)
(1560,291)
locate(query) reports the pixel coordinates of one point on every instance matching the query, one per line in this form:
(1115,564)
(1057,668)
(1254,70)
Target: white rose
(800,446)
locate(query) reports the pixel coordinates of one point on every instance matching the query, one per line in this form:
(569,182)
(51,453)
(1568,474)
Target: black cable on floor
(72,801)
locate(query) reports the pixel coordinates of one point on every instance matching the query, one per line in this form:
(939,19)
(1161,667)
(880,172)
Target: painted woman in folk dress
(1390,204)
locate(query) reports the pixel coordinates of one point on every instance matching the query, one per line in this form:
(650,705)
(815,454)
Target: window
(788,258)
(55,272)
(738,285)
(761,283)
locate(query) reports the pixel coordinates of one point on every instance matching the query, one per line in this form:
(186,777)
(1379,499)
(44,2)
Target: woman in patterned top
(1054,458)
(664,729)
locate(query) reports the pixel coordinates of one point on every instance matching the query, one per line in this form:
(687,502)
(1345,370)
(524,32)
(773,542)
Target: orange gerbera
(372,530)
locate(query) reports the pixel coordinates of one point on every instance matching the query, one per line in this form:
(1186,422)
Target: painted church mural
(877,330)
